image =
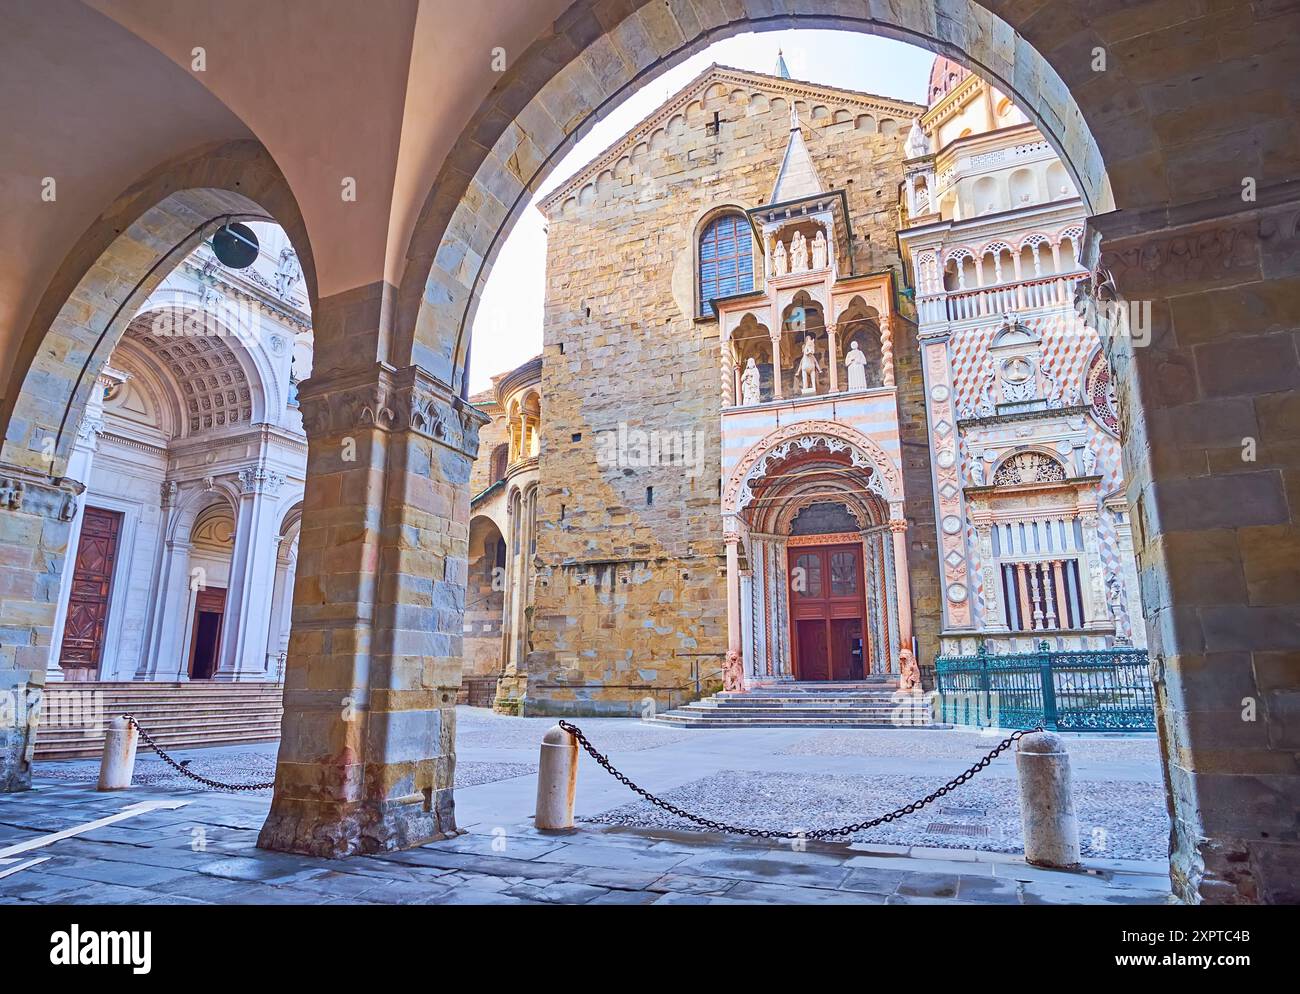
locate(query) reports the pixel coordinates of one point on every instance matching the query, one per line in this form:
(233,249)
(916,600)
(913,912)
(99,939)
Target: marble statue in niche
(819,251)
(857,367)
(798,253)
(809,367)
(750,380)
(778,259)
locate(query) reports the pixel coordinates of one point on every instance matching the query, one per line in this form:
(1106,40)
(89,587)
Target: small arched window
(726,260)
(499,457)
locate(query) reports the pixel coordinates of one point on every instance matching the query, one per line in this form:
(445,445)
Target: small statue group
(798,253)
(796,261)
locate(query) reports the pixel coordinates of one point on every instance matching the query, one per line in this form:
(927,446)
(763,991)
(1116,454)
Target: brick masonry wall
(631,597)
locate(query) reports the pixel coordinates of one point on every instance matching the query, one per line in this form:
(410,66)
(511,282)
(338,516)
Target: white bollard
(118,765)
(557,780)
(1047,801)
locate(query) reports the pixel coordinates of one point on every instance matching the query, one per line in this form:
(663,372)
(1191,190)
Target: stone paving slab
(205,853)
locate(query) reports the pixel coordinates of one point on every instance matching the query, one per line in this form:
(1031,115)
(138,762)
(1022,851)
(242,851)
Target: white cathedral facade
(193,456)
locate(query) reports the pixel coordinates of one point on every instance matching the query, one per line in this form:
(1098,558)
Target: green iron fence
(1091,690)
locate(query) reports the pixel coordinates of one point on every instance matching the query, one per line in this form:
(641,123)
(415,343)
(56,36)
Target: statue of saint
(809,367)
(798,253)
(287,272)
(778,260)
(750,381)
(819,251)
(857,366)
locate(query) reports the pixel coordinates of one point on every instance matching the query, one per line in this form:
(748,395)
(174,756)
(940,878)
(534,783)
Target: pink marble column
(734,669)
(909,673)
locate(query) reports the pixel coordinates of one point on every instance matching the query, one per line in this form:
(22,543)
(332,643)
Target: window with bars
(1042,595)
(726,260)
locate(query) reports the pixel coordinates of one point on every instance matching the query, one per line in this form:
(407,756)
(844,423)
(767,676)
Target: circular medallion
(956,592)
(945,459)
(951,524)
(939,394)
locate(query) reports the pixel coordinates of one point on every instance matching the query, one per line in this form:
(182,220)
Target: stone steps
(177,715)
(866,704)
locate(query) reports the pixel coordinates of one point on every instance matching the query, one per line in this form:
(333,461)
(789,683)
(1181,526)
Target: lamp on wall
(235,245)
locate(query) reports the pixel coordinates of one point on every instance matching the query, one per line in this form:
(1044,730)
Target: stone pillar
(278,632)
(909,675)
(79,465)
(833,357)
(994,617)
(252,577)
(1093,580)
(1216,523)
(733,672)
(887,350)
(147,666)
(165,655)
(36,516)
(366,759)
(776,367)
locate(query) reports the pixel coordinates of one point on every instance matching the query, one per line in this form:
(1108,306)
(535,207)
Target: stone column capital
(391,400)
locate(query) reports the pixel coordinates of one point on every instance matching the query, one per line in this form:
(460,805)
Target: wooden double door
(827,608)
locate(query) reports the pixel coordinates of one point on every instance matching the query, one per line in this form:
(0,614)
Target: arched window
(726,260)
(500,455)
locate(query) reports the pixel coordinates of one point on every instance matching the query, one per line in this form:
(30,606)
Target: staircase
(874,703)
(177,715)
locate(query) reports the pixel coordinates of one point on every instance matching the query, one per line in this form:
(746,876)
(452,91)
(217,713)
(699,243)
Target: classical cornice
(715,73)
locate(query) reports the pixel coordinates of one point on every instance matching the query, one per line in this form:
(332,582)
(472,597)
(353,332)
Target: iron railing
(1088,690)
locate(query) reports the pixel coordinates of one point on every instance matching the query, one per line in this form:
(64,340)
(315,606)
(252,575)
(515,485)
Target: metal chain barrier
(214,784)
(817,834)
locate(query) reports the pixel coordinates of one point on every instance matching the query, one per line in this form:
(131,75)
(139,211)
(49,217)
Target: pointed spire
(798,177)
(782,69)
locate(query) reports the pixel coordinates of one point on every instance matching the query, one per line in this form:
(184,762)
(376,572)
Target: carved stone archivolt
(885,480)
(395,400)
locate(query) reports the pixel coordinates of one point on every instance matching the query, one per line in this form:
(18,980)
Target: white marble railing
(1026,295)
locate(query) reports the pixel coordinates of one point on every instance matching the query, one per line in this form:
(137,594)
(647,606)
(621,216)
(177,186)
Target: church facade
(780,433)
(192,457)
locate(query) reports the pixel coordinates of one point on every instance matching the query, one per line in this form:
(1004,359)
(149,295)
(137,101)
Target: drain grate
(964,812)
(949,828)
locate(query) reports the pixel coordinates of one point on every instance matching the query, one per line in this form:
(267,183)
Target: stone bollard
(1047,801)
(118,765)
(557,780)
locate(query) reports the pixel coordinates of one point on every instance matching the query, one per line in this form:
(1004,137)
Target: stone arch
(830,434)
(451,248)
(111,271)
(198,501)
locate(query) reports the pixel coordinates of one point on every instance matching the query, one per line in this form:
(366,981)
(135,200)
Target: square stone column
(1208,396)
(366,757)
(36,516)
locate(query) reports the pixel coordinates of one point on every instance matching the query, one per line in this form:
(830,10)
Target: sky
(508,326)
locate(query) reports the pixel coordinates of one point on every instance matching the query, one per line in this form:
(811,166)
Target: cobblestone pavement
(204,853)
(245,764)
(624,850)
(1117,819)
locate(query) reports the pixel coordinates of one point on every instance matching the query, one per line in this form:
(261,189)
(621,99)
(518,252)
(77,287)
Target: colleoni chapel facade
(814,405)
